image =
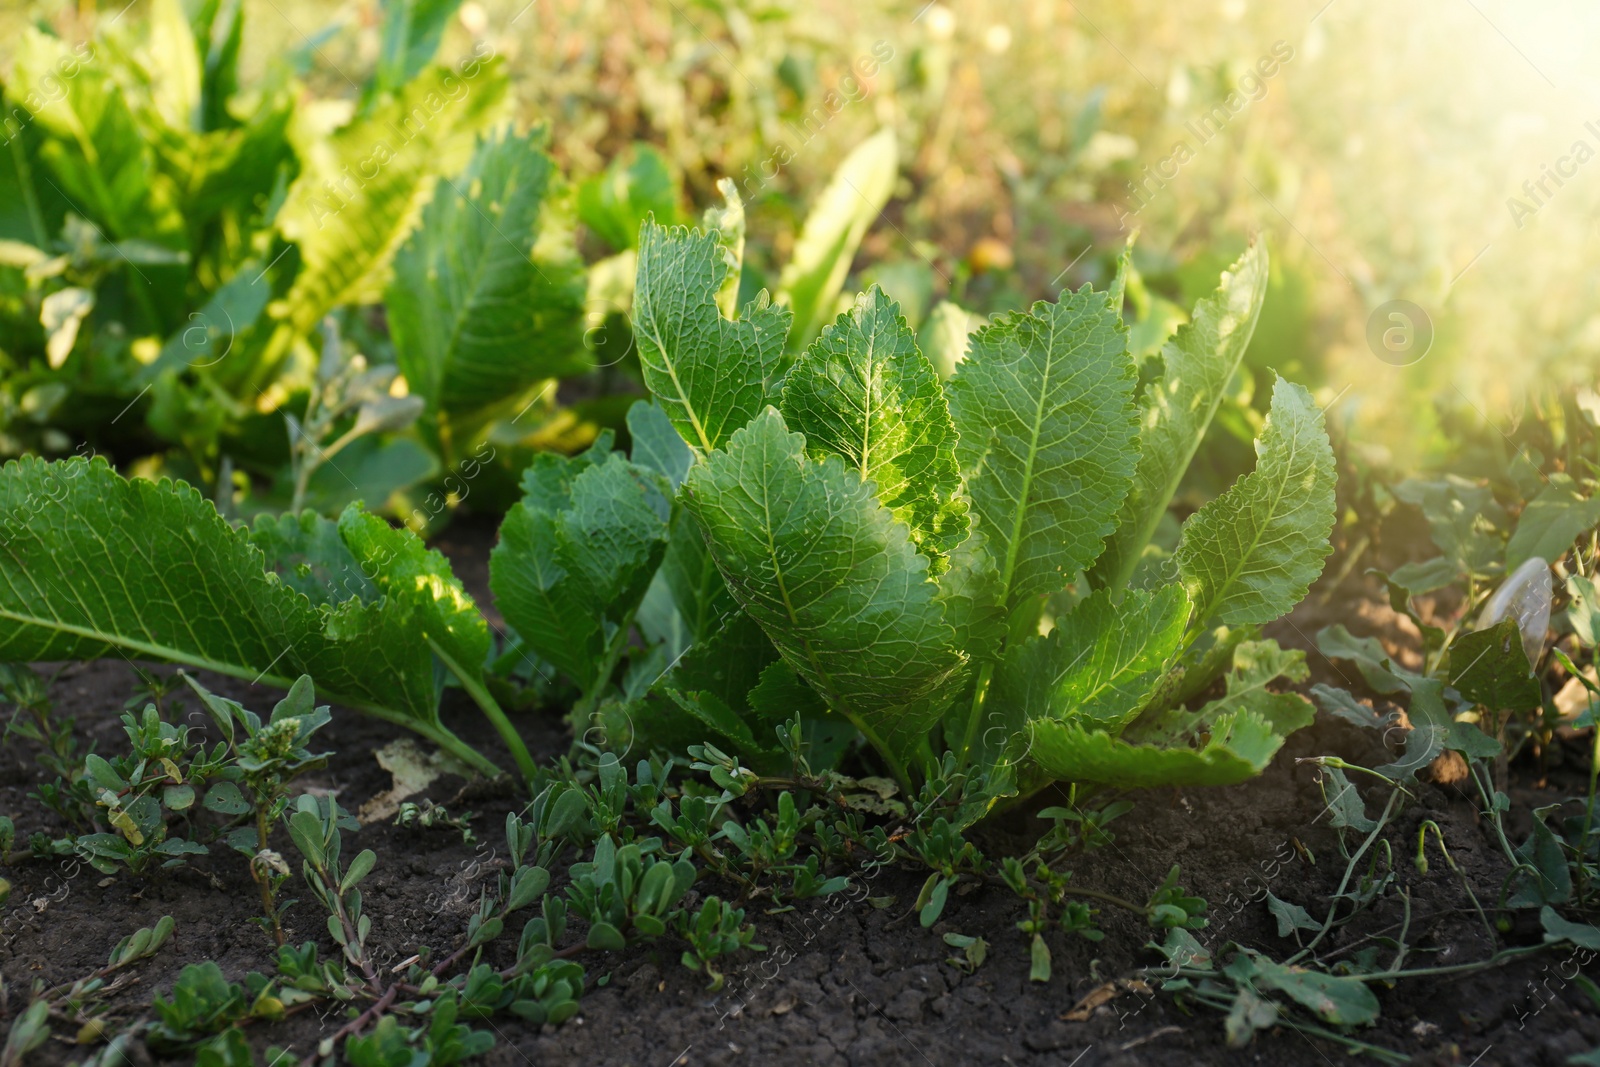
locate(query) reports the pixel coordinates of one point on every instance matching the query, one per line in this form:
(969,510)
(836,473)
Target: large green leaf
(577,554)
(1043,404)
(1551,522)
(360,191)
(487,297)
(1101,663)
(1250,555)
(1244,729)
(1177,407)
(711,375)
(92,564)
(1098,668)
(418,587)
(1489,667)
(833,231)
(863,391)
(834,581)
(1239,748)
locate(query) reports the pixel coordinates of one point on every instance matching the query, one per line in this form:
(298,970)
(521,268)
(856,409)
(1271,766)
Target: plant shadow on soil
(844,981)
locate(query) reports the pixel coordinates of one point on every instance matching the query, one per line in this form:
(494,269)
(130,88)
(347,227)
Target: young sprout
(266,757)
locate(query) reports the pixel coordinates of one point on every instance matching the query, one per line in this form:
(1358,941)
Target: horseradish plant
(898,542)
(835,541)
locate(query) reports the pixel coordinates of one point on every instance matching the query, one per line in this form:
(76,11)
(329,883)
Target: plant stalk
(492,710)
(582,714)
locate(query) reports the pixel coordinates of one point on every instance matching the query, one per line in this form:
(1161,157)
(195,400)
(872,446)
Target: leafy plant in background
(173,239)
(488,297)
(1506,516)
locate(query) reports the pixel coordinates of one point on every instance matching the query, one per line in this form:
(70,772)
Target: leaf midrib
(174,655)
(1280,487)
(1027,471)
(672,372)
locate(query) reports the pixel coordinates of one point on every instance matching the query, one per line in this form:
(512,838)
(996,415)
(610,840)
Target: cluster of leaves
(631,845)
(840,533)
(1486,689)
(173,237)
(456,267)
(886,572)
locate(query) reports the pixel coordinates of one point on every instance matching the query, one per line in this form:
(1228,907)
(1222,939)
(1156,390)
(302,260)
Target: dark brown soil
(843,981)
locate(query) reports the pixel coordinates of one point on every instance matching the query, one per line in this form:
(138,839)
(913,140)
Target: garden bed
(853,978)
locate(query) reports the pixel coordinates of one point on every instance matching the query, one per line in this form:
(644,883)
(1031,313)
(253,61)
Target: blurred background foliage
(1383,150)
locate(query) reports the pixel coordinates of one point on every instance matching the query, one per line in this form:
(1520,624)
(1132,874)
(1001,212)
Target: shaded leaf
(1177,407)
(1430,725)
(1490,668)
(864,392)
(1557,929)
(1250,555)
(577,554)
(1340,999)
(91,563)
(349,230)
(834,581)
(1340,704)
(487,299)
(1551,521)
(1381,674)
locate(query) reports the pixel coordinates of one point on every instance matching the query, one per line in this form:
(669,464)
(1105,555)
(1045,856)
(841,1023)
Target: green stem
(582,713)
(30,195)
(1588,814)
(1376,1051)
(1493,814)
(980,695)
(492,710)
(1503,956)
(264,878)
(1109,898)
(1344,883)
(896,766)
(1466,883)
